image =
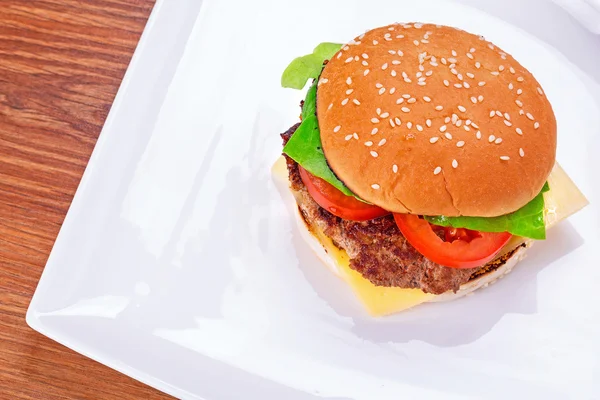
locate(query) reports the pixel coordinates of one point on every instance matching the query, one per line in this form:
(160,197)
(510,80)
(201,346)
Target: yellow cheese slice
(563,200)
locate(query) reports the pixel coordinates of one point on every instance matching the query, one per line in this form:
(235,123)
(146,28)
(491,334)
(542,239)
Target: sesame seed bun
(432,120)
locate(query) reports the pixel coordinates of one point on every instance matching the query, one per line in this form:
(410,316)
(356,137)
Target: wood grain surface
(61,63)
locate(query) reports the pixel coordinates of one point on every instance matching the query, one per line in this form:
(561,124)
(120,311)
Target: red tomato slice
(463,248)
(336,202)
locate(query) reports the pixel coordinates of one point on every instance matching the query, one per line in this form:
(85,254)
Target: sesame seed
(520,79)
(393,73)
(369,143)
(472,50)
(397,121)
(519,103)
(337,129)
(447,120)
(501,68)
(454,71)
(540,91)
(323,80)
(466,84)
(378,85)
(381,91)
(396,62)
(498,141)
(480,98)
(378,111)
(520,91)
(439,108)
(482,83)
(400,53)
(429,73)
(375,120)
(395,168)
(419,128)
(468,122)
(384,66)
(470,55)
(446,83)
(366,64)
(349,91)
(406,96)
(437,170)
(521,112)
(491,46)
(400,101)
(421,83)
(376,186)
(443,128)
(519,131)
(382,142)
(418,26)
(474,100)
(424,41)
(344,102)
(404,75)
(374,154)
(470,75)
(454,164)
(459,76)
(462,109)
(433,64)
(419,74)
(349,59)
(458,123)
(428,123)
(416,42)
(444,61)
(507,116)
(492,114)
(536,125)
(348,137)
(355,58)
(495,73)
(339,55)
(375,42)
(393,90)
(498,113)
(405,109)
(512,70)
(478,65)
(433,139)
(530,116)
(330,106)
(511,86)
(349,81)
(365,56)
(522,152)
(374,131)
(467,128)
(392,124)
(385,115)
(427,99)
(400,37)
(474,125)
(391,28)
(504,158)
(355,135)
(491,138)
(460,143)
(346,48)
(412,100)
(458,85)
(409,125)
(454,53)
(355,101)
(448,135)
(392,52)
(366,72)
(478,135)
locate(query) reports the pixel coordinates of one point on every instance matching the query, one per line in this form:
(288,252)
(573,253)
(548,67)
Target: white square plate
(179,262)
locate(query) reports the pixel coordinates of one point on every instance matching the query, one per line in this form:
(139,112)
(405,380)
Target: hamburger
(424,164)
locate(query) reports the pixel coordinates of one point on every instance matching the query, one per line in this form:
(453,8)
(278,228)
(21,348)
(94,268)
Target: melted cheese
(563,200)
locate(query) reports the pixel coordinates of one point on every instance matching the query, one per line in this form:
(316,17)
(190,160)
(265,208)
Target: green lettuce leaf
(304,146)
(526,222)
(309,66)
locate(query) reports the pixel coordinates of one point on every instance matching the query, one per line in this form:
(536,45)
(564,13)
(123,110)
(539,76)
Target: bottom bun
(481,281)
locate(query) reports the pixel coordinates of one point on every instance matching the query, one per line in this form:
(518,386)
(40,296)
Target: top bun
(432,120)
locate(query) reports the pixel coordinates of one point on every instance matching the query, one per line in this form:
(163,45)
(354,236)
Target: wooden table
(61,63)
